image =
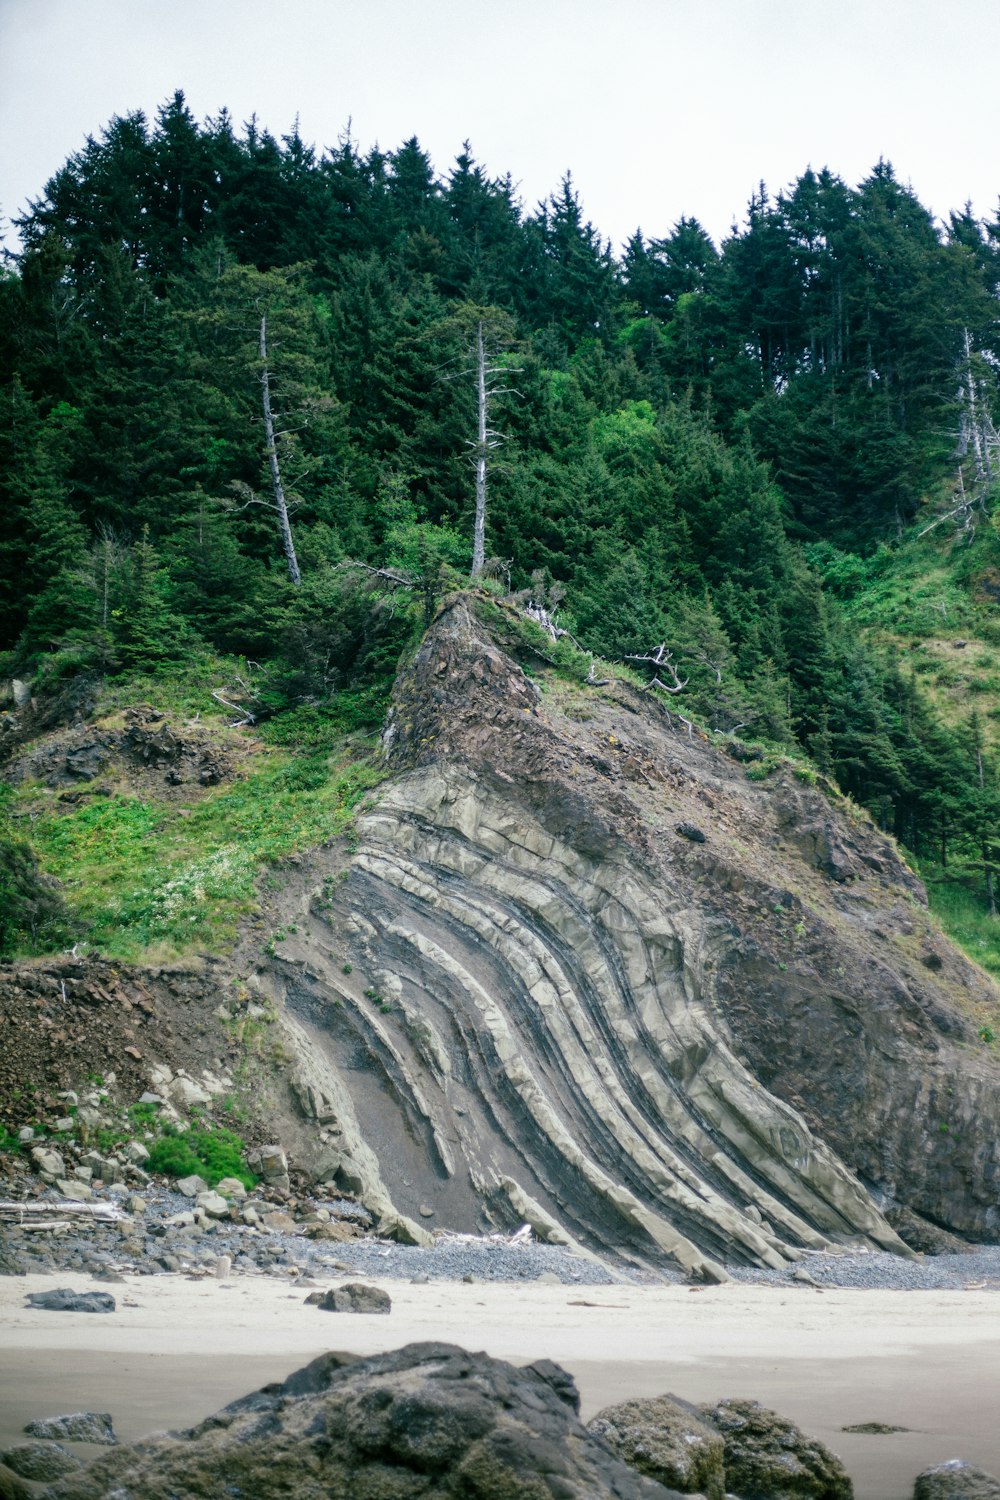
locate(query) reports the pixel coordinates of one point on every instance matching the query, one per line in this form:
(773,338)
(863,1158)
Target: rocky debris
(691,832)
(88,1027)
(955,1480)
(270,1164)
(352,1297)
(428,1420)
(76,1427)
(767,1457)
(147,748)
(64,1299)
(668,1440)
(11,1263)
(40,1461)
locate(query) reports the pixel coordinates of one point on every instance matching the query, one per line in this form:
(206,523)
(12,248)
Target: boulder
(271,1164)
(231,1187)
(48,1162)
(768,1458)
(76,1427)
(187,1094)
(279,1222)
(429,1420)
(40,1461)
(353,1297)
(191,1186)
(213,1204)
(74,1189)
(667,1439)
(955,1480)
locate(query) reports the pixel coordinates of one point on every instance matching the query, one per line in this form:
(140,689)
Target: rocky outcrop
(668,1440)
(766,1457)
(532,998)
(427,1421)
(955,1480)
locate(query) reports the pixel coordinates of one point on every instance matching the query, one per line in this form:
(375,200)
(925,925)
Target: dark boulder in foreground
(428,1422)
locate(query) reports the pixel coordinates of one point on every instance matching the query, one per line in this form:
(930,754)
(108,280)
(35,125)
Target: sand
(177,1349)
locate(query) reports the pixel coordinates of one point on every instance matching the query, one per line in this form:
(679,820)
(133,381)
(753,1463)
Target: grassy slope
(934,601)
(157,872)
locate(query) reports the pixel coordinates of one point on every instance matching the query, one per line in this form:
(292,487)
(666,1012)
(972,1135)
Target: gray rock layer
(531,1000)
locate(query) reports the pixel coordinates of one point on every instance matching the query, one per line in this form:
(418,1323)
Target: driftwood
(44,1215)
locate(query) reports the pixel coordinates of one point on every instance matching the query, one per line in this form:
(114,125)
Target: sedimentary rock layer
(583,972)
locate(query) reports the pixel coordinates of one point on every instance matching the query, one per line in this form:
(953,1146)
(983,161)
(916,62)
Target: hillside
(570,963)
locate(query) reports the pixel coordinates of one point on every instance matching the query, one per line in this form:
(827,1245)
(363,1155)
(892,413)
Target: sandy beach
(177,1349)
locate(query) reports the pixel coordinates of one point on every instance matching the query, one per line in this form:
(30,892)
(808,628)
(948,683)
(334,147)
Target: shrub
(212,1153)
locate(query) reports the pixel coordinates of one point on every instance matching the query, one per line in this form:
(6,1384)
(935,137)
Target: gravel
(877,1270)
(152,1247)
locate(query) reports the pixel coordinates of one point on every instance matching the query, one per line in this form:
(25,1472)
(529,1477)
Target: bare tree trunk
(280,503)
(984,846)
(479,530)
(972,414)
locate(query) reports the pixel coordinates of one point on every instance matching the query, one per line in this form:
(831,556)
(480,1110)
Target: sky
(660,108)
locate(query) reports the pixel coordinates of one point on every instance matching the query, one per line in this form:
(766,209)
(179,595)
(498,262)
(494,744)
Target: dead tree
(271,445)
(660,659)
(489,375)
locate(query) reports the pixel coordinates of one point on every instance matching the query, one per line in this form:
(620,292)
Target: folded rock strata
(531,999)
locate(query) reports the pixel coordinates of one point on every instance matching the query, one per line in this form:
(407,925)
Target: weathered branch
(660,658)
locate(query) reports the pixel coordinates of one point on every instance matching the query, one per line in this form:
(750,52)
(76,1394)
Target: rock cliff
(582,971)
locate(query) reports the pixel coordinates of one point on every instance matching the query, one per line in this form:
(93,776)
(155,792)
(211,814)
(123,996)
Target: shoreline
(177,1349)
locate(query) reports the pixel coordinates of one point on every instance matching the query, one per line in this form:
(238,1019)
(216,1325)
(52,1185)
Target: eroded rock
(955,1480)
(428,1421)
(76,1427)
(667,1439)
(767,1457)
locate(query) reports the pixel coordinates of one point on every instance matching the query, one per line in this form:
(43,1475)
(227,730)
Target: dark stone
(84,762)
(955,1480)
(353,1297)
(768,1458)
(690,831)
(64,1299)
(40,1461)
(560,1380)
(77,1427)
(426,1421)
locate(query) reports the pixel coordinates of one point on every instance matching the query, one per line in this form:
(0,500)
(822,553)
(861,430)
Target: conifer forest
(263,405)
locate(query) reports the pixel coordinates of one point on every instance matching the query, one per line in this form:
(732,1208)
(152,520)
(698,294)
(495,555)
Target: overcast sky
(659,107)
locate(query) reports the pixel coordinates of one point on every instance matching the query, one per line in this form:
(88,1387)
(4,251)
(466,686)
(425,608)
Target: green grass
(140,874)
(966,921)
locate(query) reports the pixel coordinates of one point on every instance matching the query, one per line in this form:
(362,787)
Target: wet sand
(176,1350)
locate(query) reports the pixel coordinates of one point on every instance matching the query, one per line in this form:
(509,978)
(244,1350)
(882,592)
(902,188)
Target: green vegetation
(772,459)
(137,873)
(210,1152)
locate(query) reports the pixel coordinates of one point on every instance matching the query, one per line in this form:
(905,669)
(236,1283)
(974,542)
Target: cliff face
(533,998)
